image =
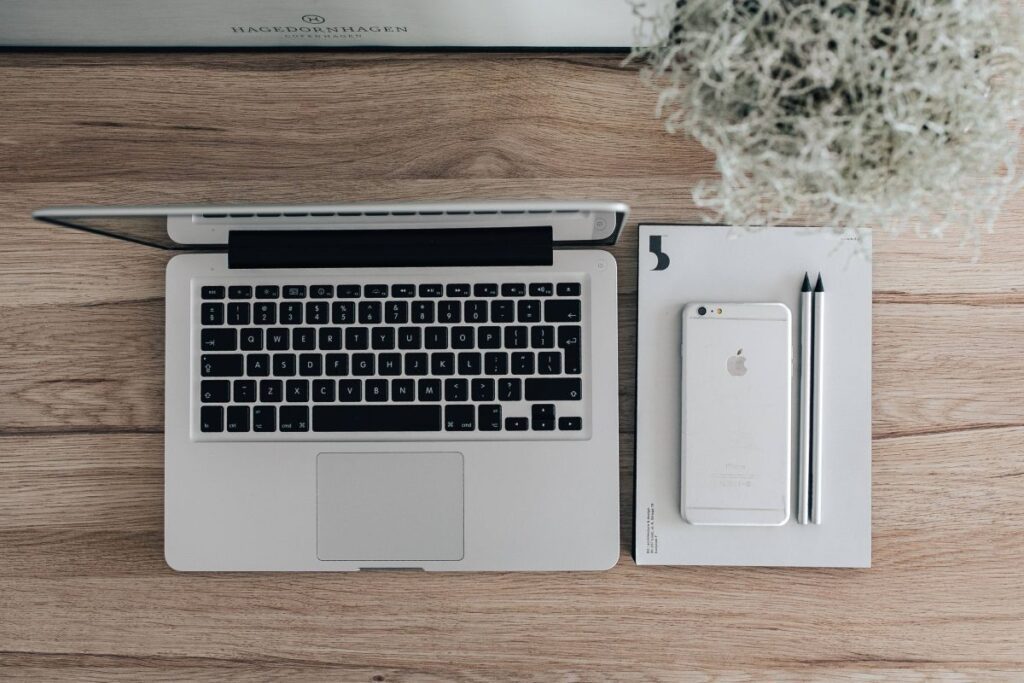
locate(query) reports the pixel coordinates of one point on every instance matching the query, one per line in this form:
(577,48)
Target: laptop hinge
(389,248)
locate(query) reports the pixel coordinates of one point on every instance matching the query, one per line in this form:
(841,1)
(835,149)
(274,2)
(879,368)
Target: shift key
(554,389)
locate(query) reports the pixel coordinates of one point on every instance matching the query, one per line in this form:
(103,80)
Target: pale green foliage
(890,113)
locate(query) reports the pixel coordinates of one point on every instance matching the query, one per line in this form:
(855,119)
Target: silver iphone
(736,422)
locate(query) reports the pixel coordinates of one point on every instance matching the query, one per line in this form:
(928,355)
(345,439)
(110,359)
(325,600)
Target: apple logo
(737,364)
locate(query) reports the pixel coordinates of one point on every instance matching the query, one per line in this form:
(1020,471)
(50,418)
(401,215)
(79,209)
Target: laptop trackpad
(389,506)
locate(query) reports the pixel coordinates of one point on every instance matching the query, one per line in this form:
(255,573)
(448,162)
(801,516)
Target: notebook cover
(678,264)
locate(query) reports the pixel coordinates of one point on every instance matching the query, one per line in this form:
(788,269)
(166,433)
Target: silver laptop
(399,386)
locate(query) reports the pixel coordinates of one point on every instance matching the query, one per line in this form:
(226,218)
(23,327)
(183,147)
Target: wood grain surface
(84,591)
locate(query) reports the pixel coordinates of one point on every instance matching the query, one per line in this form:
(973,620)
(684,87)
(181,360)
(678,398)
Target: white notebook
(681,264)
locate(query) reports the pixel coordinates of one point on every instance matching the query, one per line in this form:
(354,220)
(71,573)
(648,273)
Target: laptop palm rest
(379,507)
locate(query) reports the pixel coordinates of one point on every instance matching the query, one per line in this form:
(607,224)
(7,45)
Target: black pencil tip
(807,283)
(819,287)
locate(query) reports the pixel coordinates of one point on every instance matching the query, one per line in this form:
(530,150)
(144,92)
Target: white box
(712,263)
(587,24)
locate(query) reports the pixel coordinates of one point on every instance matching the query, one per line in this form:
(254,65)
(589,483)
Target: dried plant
(852,113)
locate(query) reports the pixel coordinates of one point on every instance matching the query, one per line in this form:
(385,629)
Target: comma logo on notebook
(663,259)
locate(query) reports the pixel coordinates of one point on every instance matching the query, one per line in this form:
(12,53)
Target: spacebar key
(376,418)
(554,389)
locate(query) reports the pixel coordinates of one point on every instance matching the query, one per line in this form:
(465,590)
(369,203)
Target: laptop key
(470,363)
(215,391)
(349,291)
(221,365)
(568,288)
(350,390)
(570,424)
(238,419)
(223,339)
(476,311)
(311,365)
(459,418)
(238,313)
(343,313)
(211,419)
(376,390)
(435,338)
(383,338)
(503,311)
(316,313)
(321,292)
(291,313)
(485,289)
(330,338)
(423,312)
(252,339)
(449,312)
(496,363)
(264,314)
(429,390)
(336,364)
(278,339)
(295,292)
(323,391)
(409,338)
(529,310)
(377,418)
(457,290)
(264,419)
(542,337)
(403,390)
(513,289)
(522,363)
(510,389)
(369,312)
(296,390)
(357,338)
(284,364)
(303,339)
(482,390)
(489,418)
(212,314)
(456,390)
(267,292)
(240,292)
(396,312)
(549,363)
(271,391)
(562,310)
(516,424)
(295,418)
(516,337)
(375,291)
(541,289)
(257,365)
(245,391)
(554,389)
(462,337)
(432,291)
(212,292)
(403,291)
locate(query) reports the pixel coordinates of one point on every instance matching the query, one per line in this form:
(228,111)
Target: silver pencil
(817,400)
(803,512)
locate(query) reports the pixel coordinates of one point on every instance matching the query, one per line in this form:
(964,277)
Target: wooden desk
(84,590)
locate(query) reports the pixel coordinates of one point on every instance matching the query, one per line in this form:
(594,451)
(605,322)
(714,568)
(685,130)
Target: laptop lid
(223,228)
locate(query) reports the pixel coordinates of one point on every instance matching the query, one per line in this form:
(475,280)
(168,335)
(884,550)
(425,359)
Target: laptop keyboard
(486,359)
